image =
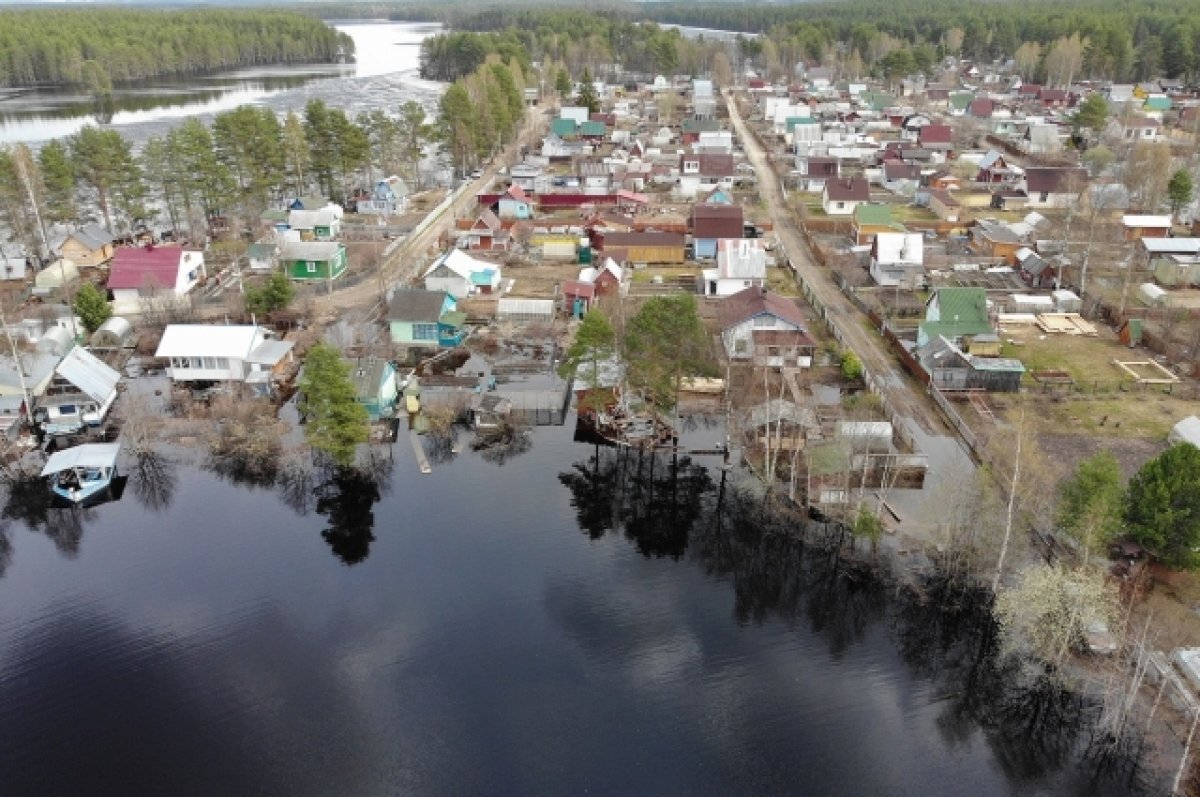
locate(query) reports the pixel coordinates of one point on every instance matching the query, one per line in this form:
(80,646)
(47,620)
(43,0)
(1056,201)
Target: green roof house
(313,261)
(1157,102)
(960,101)
(593,130)
(954,313)
(563,128)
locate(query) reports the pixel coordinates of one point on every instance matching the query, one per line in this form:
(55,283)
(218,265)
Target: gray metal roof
(88,455)
(416,305)
(93,236)
(85,371)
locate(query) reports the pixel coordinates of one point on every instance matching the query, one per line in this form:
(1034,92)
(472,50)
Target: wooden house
(841,196)
(712,222)
(955,313)
(1138,227)
(514,204)
(323,224)
(487,233)
(376,385)
(313,261)
(88,247)
(229,353)
(642,247)
(764,328)
(943,205)
(995,239)
(157,274)
(425,319)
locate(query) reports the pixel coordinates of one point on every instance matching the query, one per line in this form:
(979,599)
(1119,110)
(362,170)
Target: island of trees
(95,48)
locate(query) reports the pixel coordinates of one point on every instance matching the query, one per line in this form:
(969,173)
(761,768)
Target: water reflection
(782,567)
(153,479)
(30,502)
(654,499)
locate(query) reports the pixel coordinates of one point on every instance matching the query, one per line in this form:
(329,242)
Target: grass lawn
(1086,359)
(668,273)
(780,280)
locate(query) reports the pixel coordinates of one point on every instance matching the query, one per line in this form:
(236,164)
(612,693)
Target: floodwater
(547,618)
(384,75)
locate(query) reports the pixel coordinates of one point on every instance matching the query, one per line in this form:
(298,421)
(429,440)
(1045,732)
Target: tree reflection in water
(347,498)
(782,566)
(153,480)
(31,502)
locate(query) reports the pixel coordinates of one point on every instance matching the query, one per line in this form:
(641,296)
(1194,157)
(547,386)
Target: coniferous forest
(95,48)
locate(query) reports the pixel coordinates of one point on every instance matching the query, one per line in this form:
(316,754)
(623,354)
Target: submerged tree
(594,343)
(1048,614)
(335,423)
(664,343)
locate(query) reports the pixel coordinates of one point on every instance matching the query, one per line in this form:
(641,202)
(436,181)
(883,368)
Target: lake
(558,620)
(384,75)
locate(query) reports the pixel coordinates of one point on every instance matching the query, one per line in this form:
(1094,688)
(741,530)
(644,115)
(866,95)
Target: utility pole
(12,345)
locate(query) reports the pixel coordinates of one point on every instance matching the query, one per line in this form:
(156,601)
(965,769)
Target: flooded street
(571,620)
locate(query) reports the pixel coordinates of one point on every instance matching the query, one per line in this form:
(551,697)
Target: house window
(840,205)
(209,363)
(312,267)
(1045,196)
(222,363)
(764,321)
(195,362)
(425,331)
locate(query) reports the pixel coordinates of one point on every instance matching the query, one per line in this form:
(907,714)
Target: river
(558,621)
(384,75)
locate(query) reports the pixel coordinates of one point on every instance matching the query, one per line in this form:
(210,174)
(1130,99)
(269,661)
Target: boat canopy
(88,455)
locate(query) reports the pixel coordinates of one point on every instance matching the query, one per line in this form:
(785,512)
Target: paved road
(840,313)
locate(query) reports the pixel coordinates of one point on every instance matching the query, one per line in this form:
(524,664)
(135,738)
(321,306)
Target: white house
(460,275)
(157,274)
(764,328)
(741,263)
(839,197)
(235,353)
(897,259)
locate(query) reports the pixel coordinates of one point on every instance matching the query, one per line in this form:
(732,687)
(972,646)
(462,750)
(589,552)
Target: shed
(1027,303)
(1131,332)
(115,333)
(1152,295)
(525,309)
(1066,301)
(1186,431)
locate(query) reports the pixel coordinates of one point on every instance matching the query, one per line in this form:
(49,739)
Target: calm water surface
(553,624)
(383,75)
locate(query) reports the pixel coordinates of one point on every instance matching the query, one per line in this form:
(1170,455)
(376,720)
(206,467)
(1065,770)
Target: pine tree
(335,423)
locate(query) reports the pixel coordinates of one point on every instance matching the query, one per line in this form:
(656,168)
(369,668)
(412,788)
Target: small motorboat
(79,473)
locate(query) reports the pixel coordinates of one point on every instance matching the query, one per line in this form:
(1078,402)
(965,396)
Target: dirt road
(417,249)
(840,314)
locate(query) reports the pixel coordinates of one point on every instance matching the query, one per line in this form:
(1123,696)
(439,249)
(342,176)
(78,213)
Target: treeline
(577,38)
(1120,41)
(481,112)
(1093,39)
(97,47)
(236,168)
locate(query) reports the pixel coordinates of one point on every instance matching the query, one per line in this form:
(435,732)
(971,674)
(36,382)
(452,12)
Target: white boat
(82,472)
